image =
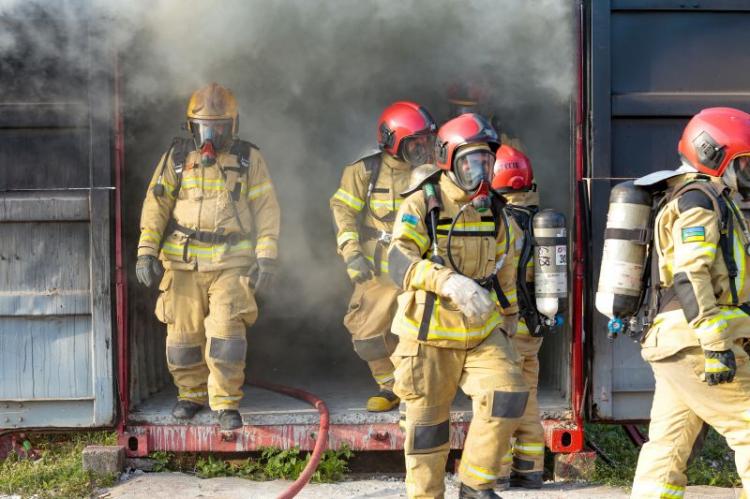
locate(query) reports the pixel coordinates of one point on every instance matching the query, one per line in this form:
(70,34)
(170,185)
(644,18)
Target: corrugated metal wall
(654,63)
(56,361)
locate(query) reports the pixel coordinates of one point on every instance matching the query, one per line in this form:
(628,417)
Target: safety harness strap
(205,236)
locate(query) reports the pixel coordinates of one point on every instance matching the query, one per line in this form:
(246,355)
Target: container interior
(310,96)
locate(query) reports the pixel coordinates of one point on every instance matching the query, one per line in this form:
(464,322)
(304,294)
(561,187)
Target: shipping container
(80,347)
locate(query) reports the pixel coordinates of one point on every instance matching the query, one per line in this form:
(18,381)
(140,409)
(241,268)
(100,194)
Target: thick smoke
(312,78)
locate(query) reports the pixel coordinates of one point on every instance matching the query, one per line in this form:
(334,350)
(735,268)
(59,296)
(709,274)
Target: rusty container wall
(653,65)
(56,342)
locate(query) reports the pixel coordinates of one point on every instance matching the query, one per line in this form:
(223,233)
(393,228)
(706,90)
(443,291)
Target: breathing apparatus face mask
(418,149)
(210,135)
(741,171)
(472,173)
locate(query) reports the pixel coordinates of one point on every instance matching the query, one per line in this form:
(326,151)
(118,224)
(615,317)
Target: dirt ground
(166,485)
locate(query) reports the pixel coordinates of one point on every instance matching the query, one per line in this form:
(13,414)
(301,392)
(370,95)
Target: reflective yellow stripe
(470,226)
(203,252)
(522,329)
(478,471)
(386,203)
(346,236)
(512,297)
(532,449)
(349,199)
(438,332)
(383,264)
(507,458)
(657,490)
(229,397)
(746,415)
(150,235)
(739,258)
(422,241)
(258,190)
(383,378)
(715,366)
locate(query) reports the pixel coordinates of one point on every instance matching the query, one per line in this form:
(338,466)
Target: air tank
(550,264)
(626,239)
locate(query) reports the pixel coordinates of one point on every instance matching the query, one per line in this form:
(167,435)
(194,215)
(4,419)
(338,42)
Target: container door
(653,65)
(56,361)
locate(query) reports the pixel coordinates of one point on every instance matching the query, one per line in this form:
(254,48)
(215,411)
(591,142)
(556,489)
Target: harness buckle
(385,237)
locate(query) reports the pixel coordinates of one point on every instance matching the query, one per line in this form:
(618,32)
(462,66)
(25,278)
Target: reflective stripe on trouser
(427,378)
(527,454)
(368,319)
(682,402)
(207,314)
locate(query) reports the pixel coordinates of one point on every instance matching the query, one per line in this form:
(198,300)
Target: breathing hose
(321,440)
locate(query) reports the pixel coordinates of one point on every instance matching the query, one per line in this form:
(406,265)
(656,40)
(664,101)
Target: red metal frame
(562,436)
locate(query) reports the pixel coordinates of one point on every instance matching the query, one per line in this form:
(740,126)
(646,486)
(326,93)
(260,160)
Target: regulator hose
(321,440)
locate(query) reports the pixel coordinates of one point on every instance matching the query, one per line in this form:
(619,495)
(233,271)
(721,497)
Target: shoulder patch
(694,234)
(694,199)
(410,219)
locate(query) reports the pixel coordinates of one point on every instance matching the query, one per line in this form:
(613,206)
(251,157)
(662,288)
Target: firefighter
(209,193)
(472,98)
(701,302)
(454,257)
(523,466)
(364,208)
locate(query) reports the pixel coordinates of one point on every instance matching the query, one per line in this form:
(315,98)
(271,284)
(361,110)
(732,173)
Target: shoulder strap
(181,148)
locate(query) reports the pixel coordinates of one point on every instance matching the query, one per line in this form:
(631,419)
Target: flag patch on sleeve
(410,219)
(693,234)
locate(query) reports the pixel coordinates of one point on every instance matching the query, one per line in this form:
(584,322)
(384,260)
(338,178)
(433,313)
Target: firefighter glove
(510,325)
(472,299)
(720,366)
(263,275)
(148,270)
(359,269)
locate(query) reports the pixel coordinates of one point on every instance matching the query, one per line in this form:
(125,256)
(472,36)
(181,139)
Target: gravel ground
(165,485)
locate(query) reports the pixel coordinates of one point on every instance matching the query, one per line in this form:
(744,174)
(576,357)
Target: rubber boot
(502,483)
(230,419)
(384,401)
(533,480)
(466,492)
(184,409)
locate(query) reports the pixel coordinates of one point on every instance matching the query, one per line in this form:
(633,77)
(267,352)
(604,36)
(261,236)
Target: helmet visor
(418,149)
(217,131)
(741,170)
(472,167)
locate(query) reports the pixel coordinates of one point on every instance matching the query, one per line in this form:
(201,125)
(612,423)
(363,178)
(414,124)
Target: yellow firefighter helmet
(213,114)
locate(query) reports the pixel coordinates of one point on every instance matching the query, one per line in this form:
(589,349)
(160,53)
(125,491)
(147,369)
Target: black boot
(230,419)
(184,409)
(466,492)
(533,480)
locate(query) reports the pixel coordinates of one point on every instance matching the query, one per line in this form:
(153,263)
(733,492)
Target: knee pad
(375,348)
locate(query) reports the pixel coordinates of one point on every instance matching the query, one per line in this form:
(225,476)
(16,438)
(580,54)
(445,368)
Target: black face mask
(743,182)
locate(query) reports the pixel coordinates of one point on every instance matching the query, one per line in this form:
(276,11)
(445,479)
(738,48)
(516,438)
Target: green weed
(714,465)
(59,471)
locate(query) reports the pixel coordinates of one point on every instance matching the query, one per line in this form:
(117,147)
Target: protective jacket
(703,307)
(478,244)
(210,218)
(366,231)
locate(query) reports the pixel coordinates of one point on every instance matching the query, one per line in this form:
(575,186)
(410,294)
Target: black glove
(263,275)
(359,269)
(148,270)
(720,366)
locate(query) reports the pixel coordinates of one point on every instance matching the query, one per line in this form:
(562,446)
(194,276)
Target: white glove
(472,299)
(510,325)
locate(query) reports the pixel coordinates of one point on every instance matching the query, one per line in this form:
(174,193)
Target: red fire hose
(321,440)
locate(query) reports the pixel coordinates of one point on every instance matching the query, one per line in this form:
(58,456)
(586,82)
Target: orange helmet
(713,138)
(512,171)
(406,130)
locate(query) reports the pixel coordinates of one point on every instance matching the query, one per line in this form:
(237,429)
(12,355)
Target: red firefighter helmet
(469,128)
(713,138)
(512,171)
(404,122)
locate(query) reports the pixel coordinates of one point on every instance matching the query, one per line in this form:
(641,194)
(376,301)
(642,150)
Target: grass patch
(714,466)
(269,464)
(59,471)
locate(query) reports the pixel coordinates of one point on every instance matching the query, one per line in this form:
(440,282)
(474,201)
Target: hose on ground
(321,441)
